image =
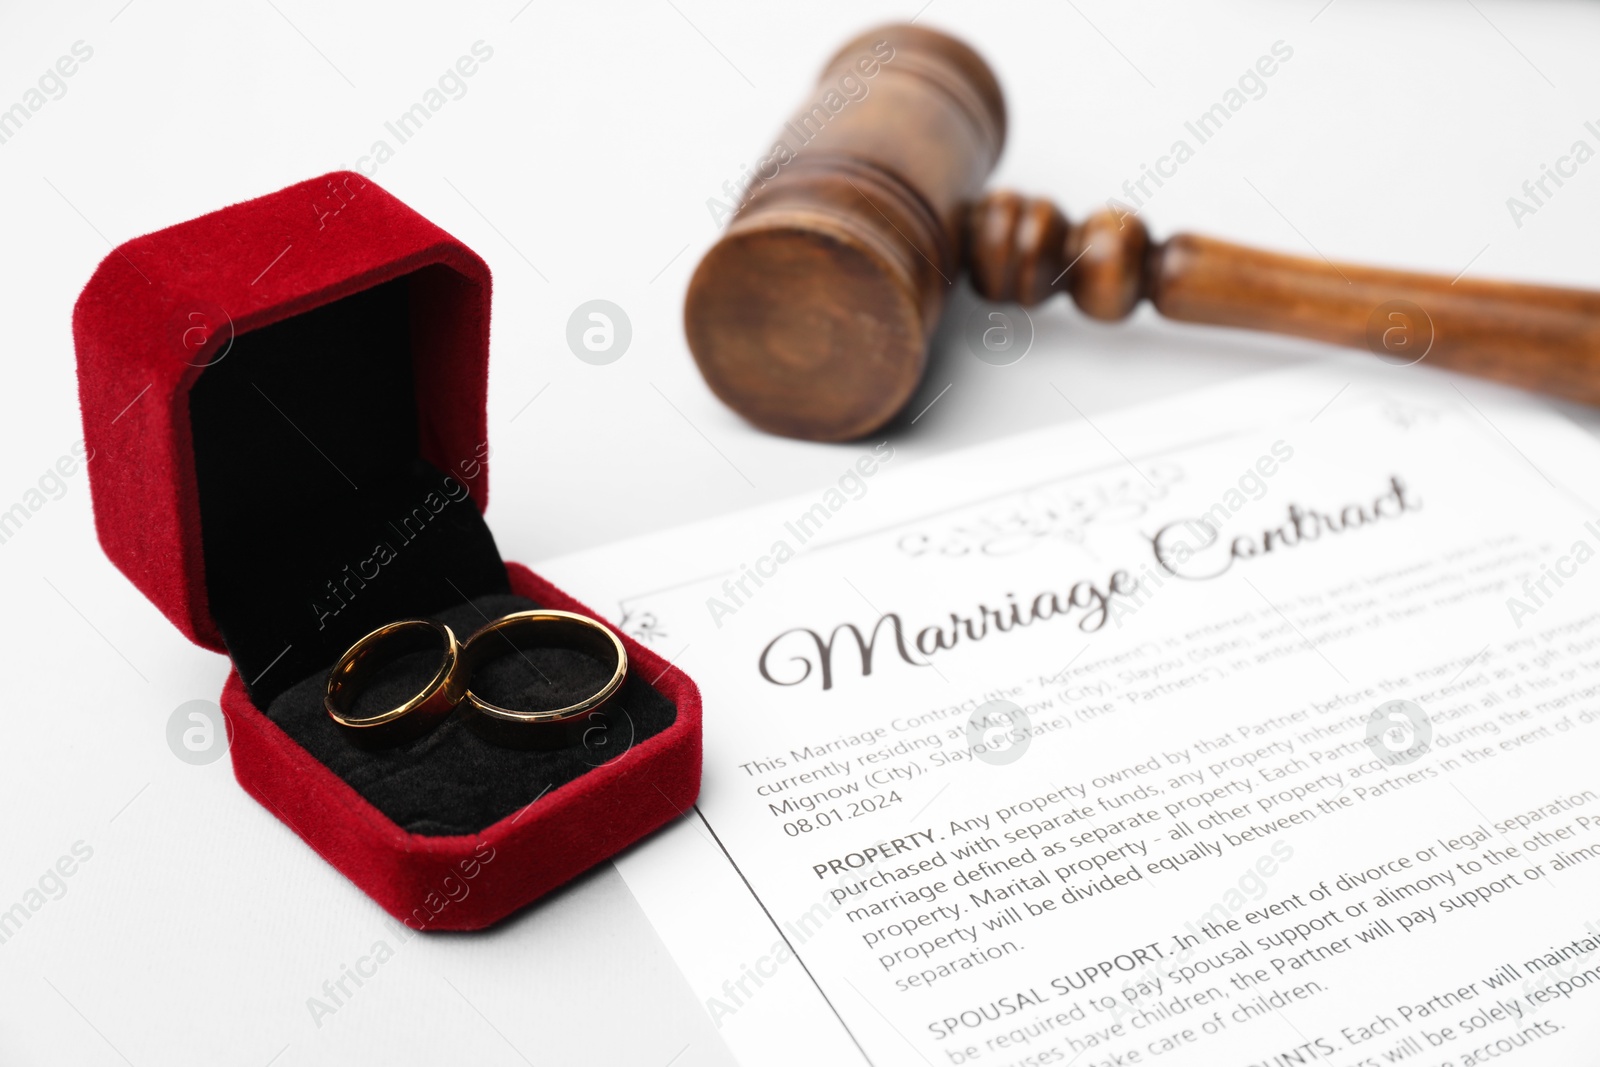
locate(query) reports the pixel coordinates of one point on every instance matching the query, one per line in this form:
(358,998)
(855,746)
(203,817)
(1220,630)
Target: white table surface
(579,164)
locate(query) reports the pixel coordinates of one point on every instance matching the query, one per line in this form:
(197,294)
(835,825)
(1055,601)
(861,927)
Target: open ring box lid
(286,403)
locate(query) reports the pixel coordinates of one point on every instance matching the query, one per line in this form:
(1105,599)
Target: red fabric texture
(156,309)
(139,324)
(468,882)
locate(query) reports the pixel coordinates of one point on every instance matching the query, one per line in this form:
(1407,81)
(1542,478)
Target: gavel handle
(1538,337)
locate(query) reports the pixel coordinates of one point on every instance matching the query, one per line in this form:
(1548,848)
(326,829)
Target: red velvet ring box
(286,402)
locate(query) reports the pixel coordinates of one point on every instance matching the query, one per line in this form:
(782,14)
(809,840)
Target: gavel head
(811,316)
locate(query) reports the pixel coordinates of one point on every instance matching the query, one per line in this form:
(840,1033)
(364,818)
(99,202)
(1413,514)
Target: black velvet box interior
(320,522)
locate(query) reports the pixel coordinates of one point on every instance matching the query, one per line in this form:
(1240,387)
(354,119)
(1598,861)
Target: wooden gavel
(811,316)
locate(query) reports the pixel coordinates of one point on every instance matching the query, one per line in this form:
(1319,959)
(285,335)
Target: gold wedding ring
(512,635)
(418,714)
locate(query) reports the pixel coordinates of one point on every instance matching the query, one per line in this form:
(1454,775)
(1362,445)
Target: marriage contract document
(1254,727)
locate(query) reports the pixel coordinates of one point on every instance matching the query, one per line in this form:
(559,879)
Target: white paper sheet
(1197,846)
